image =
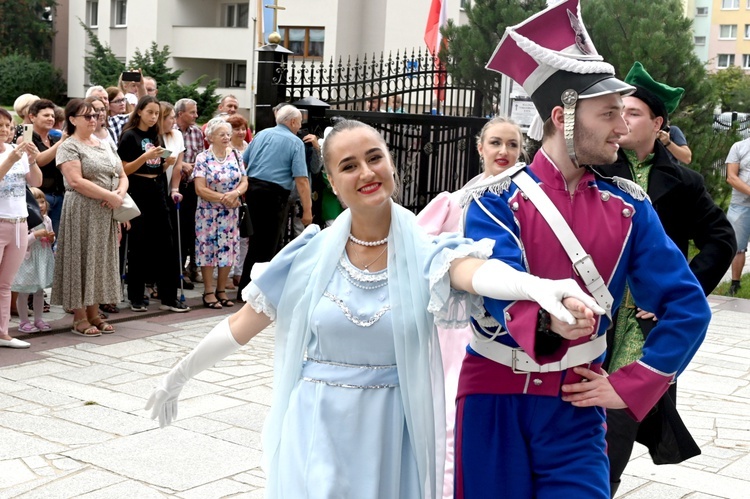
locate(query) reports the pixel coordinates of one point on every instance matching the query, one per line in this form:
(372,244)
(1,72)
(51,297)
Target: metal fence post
(272,76)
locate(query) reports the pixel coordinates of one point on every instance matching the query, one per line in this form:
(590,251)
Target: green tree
(470,46)
(101,63)
(663,42)
(153,63)
(26,28)
(20,74)
(732,88)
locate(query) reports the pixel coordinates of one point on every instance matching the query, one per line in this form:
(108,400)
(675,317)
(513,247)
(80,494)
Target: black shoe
(216,305)
(734,288)
(138,307)
(225,302)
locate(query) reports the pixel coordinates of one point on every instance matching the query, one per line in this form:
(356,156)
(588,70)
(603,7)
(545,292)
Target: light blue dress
(345,432)
(358,394)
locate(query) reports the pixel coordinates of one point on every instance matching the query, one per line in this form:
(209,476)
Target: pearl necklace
(367,243)
(219,160)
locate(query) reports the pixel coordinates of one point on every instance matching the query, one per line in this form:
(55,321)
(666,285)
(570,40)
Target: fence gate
(433,140)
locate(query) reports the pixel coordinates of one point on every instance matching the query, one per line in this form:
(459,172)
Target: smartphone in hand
(131,76)
(28,132)
(166,153)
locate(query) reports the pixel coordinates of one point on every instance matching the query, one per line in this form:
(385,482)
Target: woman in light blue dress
(357,407)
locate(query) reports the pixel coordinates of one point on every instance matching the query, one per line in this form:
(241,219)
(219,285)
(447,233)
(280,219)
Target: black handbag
(34,217)
(246,225)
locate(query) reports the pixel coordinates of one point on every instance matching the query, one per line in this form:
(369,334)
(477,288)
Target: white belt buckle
(514,362)
(581,261)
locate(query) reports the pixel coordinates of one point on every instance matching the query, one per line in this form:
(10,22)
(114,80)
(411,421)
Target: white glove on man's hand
(497,279)
(217,345)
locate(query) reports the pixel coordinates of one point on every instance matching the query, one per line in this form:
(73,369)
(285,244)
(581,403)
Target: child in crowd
(36,271)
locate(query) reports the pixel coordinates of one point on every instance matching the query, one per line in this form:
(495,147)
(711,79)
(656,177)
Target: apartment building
(700,12)
(730,35)
(721,32)
(218,38)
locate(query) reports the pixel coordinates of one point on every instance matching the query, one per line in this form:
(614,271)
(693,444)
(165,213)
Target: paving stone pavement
(72,422)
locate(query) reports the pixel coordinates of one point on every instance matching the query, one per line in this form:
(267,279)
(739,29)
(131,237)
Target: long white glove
(497,279)
(217,345)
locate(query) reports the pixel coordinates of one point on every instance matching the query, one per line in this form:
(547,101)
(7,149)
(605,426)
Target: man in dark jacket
(687,213)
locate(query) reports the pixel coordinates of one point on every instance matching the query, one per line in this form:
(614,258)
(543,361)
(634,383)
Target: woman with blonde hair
(173,141)
(21,106)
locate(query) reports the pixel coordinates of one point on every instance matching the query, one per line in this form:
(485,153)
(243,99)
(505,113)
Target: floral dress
(217,234)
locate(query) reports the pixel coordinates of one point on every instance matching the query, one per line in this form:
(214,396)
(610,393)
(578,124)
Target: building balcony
(212,43)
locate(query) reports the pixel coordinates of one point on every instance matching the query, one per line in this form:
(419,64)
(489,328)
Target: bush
(19,74)
(207,101)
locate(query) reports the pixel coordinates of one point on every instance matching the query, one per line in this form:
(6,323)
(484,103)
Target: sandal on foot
(91,331)
(46,306)
(27,327)
(216,305)
(109,308)
(225,302)
(102,326)
(41,325)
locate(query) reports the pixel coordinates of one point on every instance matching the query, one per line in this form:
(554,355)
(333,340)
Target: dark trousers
(188,205)
(266,202)
(150,244)
(621,432)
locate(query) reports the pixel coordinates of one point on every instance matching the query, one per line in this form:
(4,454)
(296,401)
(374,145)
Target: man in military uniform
(532,394)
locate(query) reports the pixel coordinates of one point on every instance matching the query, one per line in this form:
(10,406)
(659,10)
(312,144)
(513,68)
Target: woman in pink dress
(499,144)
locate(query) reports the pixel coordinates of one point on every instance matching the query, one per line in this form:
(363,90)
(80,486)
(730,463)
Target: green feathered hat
(660,97)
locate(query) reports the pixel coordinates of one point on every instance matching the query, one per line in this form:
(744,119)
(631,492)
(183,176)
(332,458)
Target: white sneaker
(178,307)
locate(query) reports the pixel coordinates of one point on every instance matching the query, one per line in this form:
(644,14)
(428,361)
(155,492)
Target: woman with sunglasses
(100,109)
(87,265)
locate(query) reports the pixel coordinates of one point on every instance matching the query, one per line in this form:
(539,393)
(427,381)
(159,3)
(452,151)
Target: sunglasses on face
(88,117)
(117,101)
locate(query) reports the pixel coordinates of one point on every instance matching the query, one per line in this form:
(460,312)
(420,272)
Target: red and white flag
(435,21)
(434,40)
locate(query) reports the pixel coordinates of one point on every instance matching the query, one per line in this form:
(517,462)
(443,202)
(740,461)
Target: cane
(124,275)
(179,253)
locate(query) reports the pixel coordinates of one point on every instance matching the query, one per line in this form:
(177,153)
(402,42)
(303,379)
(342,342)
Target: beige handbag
(127,210)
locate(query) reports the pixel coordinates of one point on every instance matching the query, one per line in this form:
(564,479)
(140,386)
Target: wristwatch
(543,322)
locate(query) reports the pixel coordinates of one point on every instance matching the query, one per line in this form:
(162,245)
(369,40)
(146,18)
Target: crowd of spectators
(86,159)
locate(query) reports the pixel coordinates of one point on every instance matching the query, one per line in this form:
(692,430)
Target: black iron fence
(428,120)
(415,78)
